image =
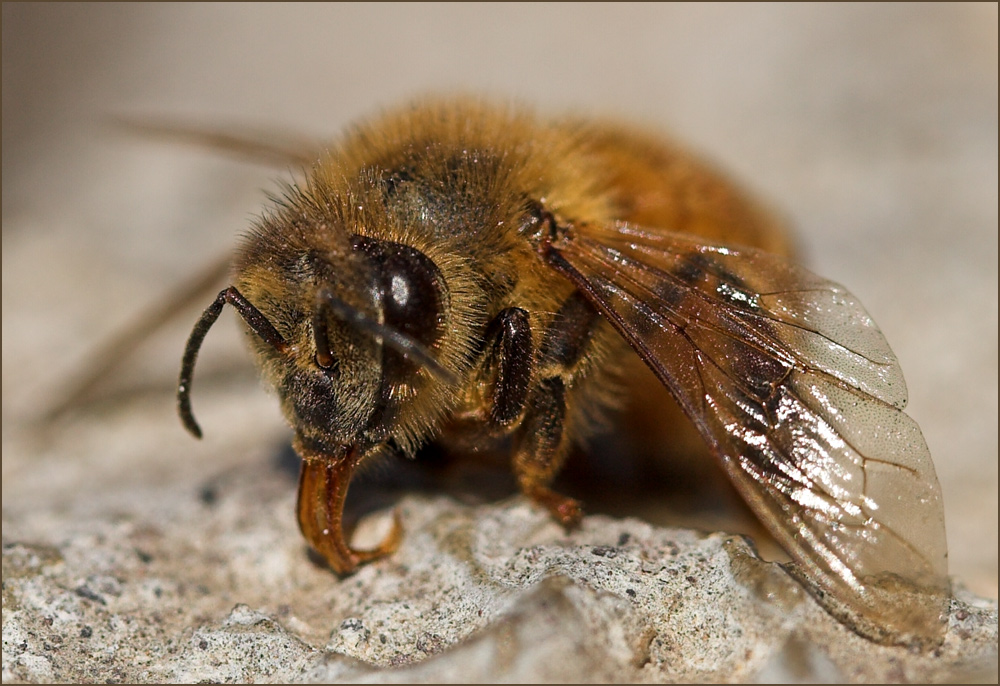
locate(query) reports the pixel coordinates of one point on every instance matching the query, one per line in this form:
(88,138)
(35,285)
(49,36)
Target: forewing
(797,392)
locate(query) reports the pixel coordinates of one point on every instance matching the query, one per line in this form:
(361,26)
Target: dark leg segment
(542,448)
(514,352)
(569,333)
(540,441)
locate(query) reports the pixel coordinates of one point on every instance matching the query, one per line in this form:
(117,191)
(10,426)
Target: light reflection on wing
(796,390)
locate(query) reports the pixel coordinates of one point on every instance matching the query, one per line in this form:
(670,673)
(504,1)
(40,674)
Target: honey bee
(469,275)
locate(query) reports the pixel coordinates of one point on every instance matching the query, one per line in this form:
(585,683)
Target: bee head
(347,329)
(359,337)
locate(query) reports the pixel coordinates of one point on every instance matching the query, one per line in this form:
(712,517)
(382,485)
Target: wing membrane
(797,392)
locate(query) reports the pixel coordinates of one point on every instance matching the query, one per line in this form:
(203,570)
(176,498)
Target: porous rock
(217,586)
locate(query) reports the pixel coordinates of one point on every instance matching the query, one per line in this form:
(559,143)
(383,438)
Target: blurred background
(873,128)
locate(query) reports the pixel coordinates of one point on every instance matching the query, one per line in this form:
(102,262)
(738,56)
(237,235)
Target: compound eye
(412,296)
(412,289)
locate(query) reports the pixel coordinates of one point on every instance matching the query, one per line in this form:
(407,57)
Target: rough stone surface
(214,584)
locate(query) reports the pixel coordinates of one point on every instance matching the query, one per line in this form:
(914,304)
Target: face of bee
(463,274)
(359,316)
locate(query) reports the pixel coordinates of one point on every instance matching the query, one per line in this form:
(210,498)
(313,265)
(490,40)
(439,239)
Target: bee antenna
(405,345)
(324,356)
(254,319)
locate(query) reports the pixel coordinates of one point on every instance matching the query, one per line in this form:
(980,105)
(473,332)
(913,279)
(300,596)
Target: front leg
(541,440)
(513,354)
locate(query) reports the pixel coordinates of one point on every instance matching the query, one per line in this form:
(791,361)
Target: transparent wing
(797,392)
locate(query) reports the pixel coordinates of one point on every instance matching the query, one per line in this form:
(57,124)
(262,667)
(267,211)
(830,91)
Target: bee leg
(540,438)
(542,448)
(543,443)
(514,353)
